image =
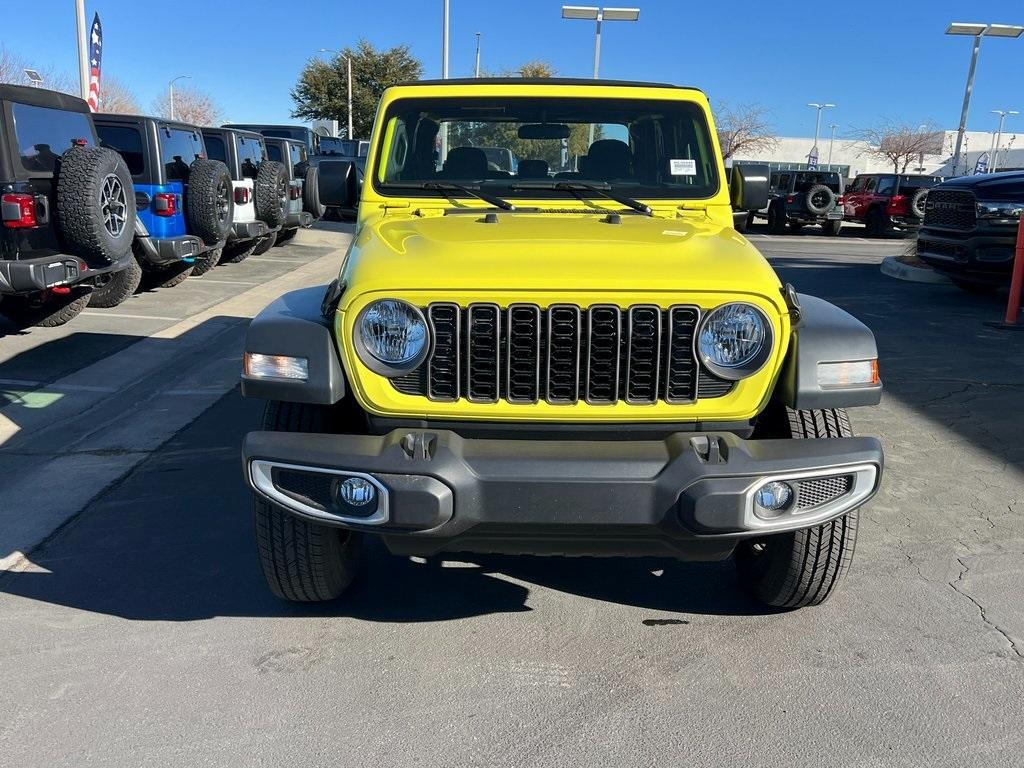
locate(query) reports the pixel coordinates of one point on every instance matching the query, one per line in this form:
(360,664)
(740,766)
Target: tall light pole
(999,134)
(83,50)
(831,141)
(170,89)
(476,71)
(348,62)
(977,31)
(817,129)
(598,15)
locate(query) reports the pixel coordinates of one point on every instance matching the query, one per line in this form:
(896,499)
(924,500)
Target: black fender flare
(825,334)
(298,324)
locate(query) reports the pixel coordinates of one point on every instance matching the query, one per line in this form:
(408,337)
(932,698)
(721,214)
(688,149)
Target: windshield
(641,148)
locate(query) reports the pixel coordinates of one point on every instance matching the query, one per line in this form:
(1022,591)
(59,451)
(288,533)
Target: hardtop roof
(574,81)
(42,97)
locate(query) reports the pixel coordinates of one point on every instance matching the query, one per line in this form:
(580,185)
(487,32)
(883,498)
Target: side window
(887,185)
(274,153)
(179,148)
(297,152)
(127,142)
(774,181)
(44,134)
(872,183)
(784,179)
(250,155)
(215,148)
(856,185)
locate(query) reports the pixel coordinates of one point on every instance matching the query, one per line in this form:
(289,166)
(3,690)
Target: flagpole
(83,50)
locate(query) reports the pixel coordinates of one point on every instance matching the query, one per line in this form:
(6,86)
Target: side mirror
(339,184)
(748,187)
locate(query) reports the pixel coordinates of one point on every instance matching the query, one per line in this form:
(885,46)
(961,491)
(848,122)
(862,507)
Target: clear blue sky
(875,59)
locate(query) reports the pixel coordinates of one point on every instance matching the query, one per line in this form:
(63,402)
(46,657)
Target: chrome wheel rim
(114,205)
(223,201)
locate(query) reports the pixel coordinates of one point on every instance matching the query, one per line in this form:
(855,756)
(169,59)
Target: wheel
(311,193)
(776,220)
(302,561)
(801,568)
(819,199)
(970,286)
(749,222)
(265,244)
(166,277)
(831,228)
(210,202)
(917,202)
(95,204)
(117,286)
(795,226)
(875,224)
(271,193)
(237,253)
(285,235)
(44,309)
(206,261)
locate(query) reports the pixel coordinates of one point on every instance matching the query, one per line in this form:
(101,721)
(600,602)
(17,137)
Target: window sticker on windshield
(682,167)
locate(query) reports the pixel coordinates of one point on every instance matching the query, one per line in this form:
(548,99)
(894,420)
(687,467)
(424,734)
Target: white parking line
(277,259)
(33,385)
(104,313)
(223,282)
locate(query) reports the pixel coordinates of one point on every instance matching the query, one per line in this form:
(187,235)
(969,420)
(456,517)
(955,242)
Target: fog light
(773,496)
(357,492)
(276,366)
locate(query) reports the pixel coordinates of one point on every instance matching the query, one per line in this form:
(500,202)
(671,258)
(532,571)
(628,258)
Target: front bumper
(690,495)
(248,230)
(171,250)
(985,253)
(33,275)
(298,219)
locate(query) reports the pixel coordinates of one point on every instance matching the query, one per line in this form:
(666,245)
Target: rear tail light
(165,204)
(241,195)
(294,193)
(790,199)
(898,203)
(840,200)
(19,211)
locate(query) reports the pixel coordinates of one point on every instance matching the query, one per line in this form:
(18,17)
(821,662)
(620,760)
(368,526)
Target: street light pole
(348,62)
(977,31)
(999,134)
(170,88)
(831,142)
(83,50)
(476,71)
(817,129)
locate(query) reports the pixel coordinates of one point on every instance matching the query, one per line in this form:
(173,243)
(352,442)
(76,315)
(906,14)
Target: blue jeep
(185,201)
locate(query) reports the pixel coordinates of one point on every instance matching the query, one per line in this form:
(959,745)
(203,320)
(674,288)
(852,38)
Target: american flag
(95,58)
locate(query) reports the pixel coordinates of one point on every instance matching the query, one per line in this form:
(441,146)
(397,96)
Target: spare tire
(209,201)
(311,193)
(95,204)
(271,193)
(917,201)
(819,199)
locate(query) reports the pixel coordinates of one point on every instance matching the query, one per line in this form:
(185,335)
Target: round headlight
(394,336)
(735,340)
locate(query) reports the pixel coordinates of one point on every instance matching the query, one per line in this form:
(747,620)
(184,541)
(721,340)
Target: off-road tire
(801,568)
(796,227)
(81,219)
(302,561)
(285,235)
(206,261)
(311,194)
(118,287)
(209,201)
(270,191)
(167,276)
(265,244)
(832,228)
(236,253)
(875,224)
(43,311)
(776,220)
(915,206)
(819,208)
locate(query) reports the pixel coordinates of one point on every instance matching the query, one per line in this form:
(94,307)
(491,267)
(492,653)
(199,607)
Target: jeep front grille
(950,209)
(562,354)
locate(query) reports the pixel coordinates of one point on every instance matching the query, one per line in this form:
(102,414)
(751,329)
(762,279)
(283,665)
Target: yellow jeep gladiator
(576,355)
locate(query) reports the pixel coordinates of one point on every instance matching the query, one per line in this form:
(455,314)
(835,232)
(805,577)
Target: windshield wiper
(602,188)
(474,190)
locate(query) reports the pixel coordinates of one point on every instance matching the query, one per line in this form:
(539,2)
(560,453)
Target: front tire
(801,568)
(302,561)
(776,220)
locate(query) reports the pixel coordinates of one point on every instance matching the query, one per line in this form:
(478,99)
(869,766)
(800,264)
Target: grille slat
(950,209)
(562,354)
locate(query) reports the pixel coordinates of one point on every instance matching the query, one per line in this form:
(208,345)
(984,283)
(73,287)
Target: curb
(899,270)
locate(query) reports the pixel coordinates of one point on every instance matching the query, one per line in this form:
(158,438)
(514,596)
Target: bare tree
(901,144)
(744,129)
(117,97)
(190,106)
(13,66)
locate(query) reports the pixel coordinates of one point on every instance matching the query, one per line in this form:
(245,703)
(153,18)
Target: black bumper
(299,219)
(170,250)
(31,275)
(689,495)
(248,230)
(983,254)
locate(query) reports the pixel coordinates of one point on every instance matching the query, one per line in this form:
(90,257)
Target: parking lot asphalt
(141,633)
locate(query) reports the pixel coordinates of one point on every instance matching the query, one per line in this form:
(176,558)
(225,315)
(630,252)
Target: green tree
(321,92)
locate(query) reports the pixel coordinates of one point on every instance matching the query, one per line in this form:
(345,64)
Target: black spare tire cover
(819,199)
(311,193)
(209,200)
(271,192)
(95,204)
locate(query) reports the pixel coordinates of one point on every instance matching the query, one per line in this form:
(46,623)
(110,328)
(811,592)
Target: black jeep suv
(68,207)
(970,228)
(797,198)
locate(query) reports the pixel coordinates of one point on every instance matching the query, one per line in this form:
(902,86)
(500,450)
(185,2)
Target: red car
(887,201)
